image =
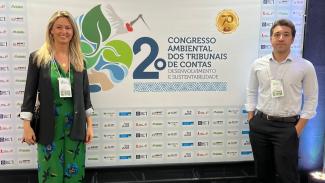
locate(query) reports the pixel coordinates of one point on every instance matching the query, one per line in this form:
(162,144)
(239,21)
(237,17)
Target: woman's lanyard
(64,83)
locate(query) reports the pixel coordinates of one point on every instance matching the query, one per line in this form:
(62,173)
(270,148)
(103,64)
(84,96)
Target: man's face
(281,39)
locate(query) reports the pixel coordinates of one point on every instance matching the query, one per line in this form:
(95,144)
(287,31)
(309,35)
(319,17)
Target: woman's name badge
(277,88)
(65,87)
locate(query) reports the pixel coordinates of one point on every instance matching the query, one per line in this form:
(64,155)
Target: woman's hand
(90,131)
(89,134)
(29,135)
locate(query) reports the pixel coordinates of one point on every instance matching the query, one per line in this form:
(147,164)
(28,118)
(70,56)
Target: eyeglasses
(284,35)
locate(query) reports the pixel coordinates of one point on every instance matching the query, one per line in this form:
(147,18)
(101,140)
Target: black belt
(291,119)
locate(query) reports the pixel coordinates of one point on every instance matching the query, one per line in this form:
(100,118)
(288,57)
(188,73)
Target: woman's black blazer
(39,79)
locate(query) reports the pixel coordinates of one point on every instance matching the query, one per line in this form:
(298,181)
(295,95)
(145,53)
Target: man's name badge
(65,87)
(277,88)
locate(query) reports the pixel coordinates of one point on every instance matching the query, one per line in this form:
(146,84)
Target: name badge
(65,87)
(277,88)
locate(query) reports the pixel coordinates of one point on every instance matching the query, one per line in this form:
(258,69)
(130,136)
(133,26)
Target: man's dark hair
(284,22)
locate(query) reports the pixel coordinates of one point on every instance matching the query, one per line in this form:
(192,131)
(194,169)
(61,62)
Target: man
(282,96)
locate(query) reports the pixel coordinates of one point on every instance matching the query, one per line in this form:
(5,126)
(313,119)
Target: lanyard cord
(57,69)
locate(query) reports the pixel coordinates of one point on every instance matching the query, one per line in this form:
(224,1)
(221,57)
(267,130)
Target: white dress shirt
(300,87)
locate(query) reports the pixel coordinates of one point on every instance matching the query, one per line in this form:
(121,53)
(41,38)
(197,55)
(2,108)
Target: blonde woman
(57,72)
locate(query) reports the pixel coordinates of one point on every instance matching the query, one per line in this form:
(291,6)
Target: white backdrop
(186,109)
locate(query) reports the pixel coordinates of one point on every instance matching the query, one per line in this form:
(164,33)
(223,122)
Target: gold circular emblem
(227,21)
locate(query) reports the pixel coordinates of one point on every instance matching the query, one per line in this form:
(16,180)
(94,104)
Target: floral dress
(63,161)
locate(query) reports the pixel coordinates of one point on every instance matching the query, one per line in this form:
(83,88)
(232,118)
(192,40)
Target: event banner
(167,77)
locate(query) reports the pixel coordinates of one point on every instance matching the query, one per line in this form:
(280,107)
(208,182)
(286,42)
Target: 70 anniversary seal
(227,21)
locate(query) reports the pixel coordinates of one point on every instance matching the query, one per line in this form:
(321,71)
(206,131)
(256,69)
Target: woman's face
(62,31)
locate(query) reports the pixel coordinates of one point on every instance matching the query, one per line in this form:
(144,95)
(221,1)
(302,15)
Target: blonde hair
(45,54)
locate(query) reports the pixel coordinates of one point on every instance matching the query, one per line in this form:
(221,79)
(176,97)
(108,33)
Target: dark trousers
(275,150)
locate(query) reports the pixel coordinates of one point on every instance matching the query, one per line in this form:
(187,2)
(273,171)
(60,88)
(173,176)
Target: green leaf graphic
(95,27)
(122,52)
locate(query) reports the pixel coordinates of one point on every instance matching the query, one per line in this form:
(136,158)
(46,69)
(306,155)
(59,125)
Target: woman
(57,73)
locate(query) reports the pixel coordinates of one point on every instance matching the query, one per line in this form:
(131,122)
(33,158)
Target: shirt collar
(288,59)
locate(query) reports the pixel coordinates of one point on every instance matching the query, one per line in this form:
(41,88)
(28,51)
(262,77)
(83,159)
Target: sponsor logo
(5,104)
(232,143)
(18,31)
(19,92)
(125,113)
(157,145)
(109,147)
(266,46)
(172,134)
(7,162)
(172,145)
(24,150)
(141,156)
(125,147)
(202,154)
(19,44)
(140,146)
(188,112)
(233,111)
(218,112)
(5,127)
(187,123)
(268,1)
(172,113)
(217,133)
(157,134)
(125,157)
(245,132)
(202,112)
(3,5)
(187,144)
(217,154)
(187,155)
(4,68)
(125,135)
(6,139)
(3,43)
(110,114)
(93,147)
(110,124)
(141,113)
(217,143)
(20,81)
(157,113)
(232,132)
(246,142)
(126,124)
(232,154)
(3,31)
(157,124)
(20,68)
(3,18)
(157,156)
(172,155)
(110,136)
(5,115)
(141,124)
(188,133)
(202,143)
(6,150)
(4,80)
(24,162)
(141,135)
(218,122)
(203,123)
(16,6)
(17,19)
(172,123)
(202,133)
(233,122)
(4,92)
(4,56)
(267,24)
(92,158)
(109,158)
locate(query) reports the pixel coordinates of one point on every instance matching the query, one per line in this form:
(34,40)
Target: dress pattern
(63,161)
